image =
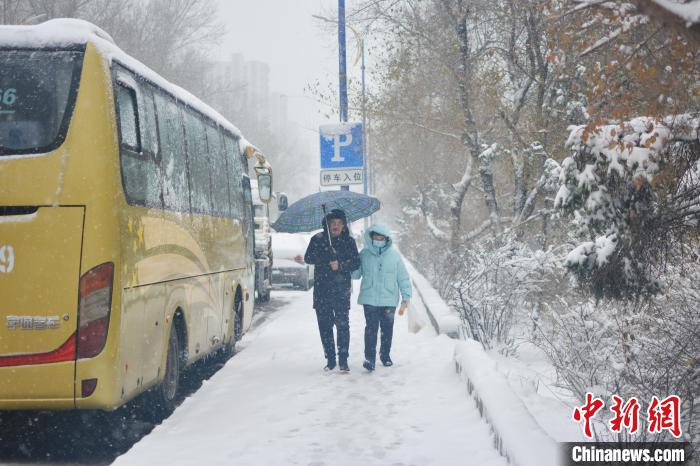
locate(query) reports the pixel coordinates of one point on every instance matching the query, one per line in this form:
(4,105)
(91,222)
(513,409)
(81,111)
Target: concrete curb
(517,435)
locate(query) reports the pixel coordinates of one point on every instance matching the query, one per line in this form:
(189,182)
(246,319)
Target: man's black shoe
(368,365)
(330,365)
(387,361)
(343,365)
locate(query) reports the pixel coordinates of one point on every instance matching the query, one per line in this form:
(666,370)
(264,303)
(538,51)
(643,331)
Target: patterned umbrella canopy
(306,214)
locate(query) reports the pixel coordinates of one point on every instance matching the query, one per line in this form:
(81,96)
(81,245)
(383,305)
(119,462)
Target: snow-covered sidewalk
(272,404)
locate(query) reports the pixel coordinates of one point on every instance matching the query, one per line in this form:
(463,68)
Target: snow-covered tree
(632,189)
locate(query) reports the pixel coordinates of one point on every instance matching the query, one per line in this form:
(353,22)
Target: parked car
(289,268)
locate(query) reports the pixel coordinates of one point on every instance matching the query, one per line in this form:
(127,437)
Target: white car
(288,266)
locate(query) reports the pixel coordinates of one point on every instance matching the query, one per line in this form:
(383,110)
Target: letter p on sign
(338,143)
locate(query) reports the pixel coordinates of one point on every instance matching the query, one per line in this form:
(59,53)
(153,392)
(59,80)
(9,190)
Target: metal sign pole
(342,71)
(364,127)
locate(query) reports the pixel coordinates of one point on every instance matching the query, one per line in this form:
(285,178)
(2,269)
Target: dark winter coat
(332,288)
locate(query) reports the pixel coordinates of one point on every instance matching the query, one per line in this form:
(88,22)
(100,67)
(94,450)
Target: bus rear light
(93,310)
(88,387)
(65,352)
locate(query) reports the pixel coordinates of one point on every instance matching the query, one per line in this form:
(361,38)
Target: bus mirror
(265,187)
(282,202)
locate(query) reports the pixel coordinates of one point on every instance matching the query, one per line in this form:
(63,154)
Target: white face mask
(379,243)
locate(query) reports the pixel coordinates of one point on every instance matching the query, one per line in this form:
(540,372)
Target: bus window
(198,164)
(248,215)
(176,191)
(37,95)
(140,171)
(233,157)
(128,119)
(149,128)
(219,173)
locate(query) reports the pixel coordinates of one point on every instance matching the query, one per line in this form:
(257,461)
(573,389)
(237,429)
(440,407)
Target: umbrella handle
(328,228)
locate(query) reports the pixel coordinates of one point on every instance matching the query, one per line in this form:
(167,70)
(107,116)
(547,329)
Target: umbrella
(307,213)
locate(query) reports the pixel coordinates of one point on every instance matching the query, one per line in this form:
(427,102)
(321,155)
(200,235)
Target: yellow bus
(126,236)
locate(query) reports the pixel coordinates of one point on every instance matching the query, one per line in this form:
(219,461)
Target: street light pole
(364,116)
(364,127)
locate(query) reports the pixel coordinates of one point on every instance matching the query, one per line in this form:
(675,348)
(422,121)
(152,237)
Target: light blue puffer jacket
(382,271)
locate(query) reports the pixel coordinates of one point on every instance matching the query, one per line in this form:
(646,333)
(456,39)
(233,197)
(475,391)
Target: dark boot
(369,365)
(386,360)
(343,364)
(330,364)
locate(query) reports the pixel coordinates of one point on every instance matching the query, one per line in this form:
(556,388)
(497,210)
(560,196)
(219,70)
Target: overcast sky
(297,48)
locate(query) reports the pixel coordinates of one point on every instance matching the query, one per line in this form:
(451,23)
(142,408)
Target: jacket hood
(336,213)
(382,230)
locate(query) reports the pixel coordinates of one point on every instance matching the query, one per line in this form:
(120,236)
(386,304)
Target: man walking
(334,255)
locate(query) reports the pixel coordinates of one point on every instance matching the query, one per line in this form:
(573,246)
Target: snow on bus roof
(64,32)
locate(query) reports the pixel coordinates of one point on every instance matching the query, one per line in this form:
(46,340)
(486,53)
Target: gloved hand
(403,307)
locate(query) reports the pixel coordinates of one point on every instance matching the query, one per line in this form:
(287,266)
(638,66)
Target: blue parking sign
(341,145)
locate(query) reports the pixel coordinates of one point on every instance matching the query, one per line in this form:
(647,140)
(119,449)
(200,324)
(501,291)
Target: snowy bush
(498,285)
(631,190)
(638,348)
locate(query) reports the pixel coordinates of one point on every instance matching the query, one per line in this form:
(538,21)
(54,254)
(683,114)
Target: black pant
(376,317)
(328,316)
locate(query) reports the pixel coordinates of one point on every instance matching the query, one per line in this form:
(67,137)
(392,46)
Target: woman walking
(384,277)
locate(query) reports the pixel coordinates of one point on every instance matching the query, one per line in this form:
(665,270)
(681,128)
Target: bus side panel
(222,286)
(198,292)
(153,333)
(93,179)
(142,335)
(227,253)
(206,304)
(248,279)
(164,256)
(130,344)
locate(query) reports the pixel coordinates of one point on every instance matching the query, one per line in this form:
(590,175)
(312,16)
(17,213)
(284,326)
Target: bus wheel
(268,277)
(237,318)
(265,296)
(166,393)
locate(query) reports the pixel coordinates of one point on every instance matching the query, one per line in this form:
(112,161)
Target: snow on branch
(619,185)
(688,12)
(628,23)
(435,230)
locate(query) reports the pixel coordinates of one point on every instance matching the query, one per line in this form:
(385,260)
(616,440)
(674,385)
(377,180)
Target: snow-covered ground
(533,379)
(273,404)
